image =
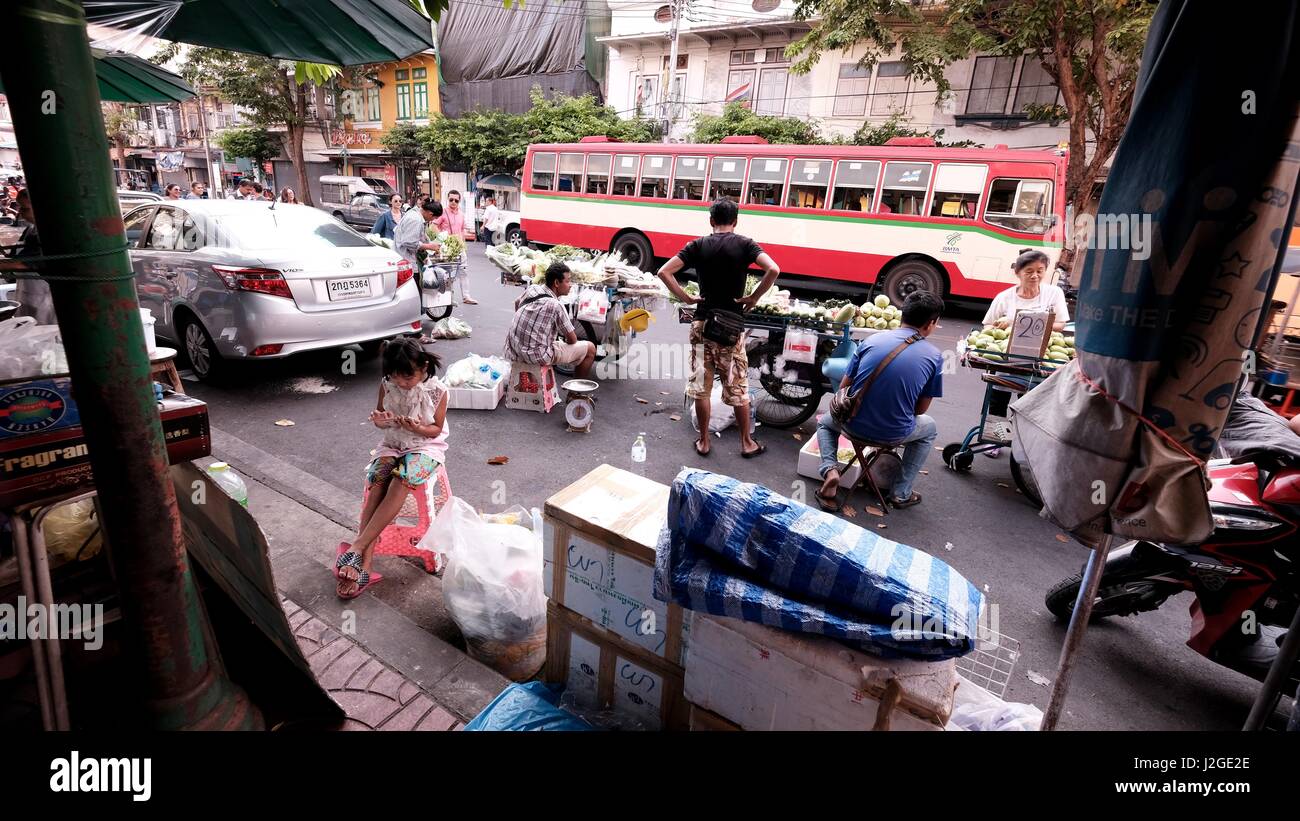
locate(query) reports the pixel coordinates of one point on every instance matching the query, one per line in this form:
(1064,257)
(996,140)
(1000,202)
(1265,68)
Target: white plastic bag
(721,415)
(450,328)
(492,586)
(974,708)
(28,349)
(593,305)
(800,346)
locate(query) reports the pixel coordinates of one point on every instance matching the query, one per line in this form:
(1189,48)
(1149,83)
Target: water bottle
(229,481)
(638,455)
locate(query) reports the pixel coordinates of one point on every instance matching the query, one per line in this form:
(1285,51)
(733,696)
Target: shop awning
(125,78)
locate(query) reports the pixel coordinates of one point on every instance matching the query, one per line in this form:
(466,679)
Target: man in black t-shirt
(721,261)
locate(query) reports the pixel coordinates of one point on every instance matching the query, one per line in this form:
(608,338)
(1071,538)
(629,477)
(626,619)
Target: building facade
(727,53)
(390,94)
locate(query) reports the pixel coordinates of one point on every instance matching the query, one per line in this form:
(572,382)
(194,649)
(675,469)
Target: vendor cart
(437,283)
(1006,377)
(786,392)
(611,338)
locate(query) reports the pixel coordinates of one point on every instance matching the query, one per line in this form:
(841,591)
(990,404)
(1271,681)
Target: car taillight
(267,350)
(257,280)
(405,272)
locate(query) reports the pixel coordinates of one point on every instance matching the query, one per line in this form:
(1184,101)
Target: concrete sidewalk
(387,670)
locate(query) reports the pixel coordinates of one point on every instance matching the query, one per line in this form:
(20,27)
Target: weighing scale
(579,404)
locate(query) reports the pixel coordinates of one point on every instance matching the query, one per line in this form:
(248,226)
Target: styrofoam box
(476,398)
(619,513)
(762,678)
(810,461)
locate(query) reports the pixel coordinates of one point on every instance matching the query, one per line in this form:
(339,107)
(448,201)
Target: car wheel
(200,351)
(909,277)
(512,234)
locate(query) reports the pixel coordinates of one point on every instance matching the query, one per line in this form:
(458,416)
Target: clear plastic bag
(72,531)
(721,415)
(492,586)
(28,349)
(450,328)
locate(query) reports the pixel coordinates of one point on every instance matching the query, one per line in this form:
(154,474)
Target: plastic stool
(403,535)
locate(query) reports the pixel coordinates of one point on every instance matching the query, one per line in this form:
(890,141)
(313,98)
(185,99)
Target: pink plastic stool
(403,535)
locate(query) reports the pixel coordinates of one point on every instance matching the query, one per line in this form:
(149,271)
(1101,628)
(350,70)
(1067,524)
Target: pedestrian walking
(412,413)
(172,191)
(287,196)
(386,225)
(453,222)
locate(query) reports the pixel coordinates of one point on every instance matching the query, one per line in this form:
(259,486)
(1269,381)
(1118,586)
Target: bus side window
(957,190)
(766,181)
(598,174)
(855,185)
(654,176)
(1020,205)
(570,176)
(688,181)
(544,171)
(808,183)
(903,191)
(727,178)
(625,171)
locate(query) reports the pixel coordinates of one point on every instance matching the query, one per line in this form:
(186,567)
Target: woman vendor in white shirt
(1031,294)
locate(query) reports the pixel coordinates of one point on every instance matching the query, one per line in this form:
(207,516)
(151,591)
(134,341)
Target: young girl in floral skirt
(412,412)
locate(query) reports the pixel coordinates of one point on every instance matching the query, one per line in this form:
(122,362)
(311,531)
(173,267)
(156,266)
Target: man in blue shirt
(893,410)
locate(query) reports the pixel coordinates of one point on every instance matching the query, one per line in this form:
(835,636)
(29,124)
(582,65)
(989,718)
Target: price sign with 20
(1030,332)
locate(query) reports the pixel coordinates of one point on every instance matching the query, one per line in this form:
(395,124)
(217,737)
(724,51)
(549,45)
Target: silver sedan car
(229,279)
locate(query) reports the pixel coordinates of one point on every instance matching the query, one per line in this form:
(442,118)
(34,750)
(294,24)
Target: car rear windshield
(287,226)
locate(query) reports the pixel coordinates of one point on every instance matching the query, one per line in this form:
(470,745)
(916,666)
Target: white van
(506,191)
(339,189)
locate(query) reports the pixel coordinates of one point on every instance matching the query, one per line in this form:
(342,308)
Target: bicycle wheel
(780,402)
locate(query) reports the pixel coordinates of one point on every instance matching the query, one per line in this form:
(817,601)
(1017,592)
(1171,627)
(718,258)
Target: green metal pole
(54,98)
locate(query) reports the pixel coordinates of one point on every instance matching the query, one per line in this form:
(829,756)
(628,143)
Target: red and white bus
(908,215)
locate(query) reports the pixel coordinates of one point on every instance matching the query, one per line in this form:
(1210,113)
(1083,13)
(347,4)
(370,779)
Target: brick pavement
(374,695)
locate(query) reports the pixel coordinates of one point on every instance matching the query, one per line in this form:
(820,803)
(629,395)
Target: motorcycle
(436,283)
(1245,576)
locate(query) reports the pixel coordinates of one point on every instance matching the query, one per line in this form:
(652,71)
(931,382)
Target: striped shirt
(535,327)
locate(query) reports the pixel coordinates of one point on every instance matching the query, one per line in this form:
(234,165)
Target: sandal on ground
(758,451)
(364,581)
(469,301)
(827,503)
(703,454)
(914,499)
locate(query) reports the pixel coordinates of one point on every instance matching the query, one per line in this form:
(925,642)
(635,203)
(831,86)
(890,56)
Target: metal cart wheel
(780,404)
(957,457)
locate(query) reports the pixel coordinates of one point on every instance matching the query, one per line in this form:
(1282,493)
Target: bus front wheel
(635,250)
(910,276)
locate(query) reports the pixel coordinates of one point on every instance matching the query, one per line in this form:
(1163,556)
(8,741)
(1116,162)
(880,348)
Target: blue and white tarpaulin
(740,550)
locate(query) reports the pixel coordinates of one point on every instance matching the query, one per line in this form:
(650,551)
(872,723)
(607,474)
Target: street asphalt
(1133,673)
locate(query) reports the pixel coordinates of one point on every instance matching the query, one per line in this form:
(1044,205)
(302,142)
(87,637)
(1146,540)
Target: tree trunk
(296,133)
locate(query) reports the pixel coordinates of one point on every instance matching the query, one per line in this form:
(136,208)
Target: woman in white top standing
(1031,294)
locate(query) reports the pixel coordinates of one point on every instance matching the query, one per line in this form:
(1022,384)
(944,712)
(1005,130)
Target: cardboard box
(701,720)
(599,538)
(602,672)
(29,406)
(57,460)
(532,387)
(810,461)
(762,678)
(476,398)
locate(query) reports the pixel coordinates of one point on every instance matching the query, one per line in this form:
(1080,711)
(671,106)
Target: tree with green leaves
(896,126)
(486,141)
(253,143)
(737,119)
(1090,48)
(402,142)
(119,121)
(275,92)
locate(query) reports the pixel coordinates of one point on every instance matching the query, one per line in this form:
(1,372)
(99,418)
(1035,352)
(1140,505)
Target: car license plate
(344,289)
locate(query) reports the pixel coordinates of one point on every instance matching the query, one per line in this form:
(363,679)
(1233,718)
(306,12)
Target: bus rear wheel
(635,250)
(909,277)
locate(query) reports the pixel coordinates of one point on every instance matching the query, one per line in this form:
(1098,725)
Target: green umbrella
(125,78)
(335,32)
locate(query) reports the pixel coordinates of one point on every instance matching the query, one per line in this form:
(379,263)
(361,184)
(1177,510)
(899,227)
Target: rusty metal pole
(54,98)
(1074,635)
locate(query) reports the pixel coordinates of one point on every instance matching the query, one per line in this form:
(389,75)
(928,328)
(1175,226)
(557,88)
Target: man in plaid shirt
(540,322)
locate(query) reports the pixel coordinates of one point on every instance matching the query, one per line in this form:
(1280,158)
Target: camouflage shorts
(731,365)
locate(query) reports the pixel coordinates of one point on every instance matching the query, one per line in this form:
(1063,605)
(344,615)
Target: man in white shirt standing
(491,220)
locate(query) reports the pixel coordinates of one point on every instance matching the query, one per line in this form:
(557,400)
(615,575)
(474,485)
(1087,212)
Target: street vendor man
(409,235)
(1029,294)
(906,373)
(542,331)
(721,261)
